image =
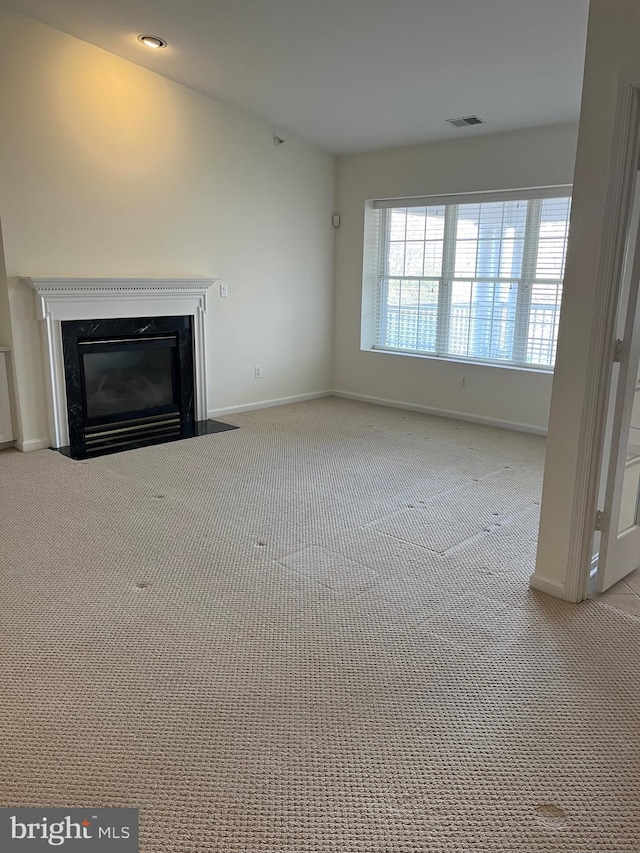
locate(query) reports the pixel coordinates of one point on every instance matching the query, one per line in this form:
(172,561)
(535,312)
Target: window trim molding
(477,196)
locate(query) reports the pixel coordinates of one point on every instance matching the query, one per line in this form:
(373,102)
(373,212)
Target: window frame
(376,278)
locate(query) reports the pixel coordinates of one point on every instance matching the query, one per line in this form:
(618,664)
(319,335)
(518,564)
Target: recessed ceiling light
(152,41)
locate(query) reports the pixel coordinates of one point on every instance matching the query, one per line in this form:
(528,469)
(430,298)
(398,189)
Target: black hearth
(129,382)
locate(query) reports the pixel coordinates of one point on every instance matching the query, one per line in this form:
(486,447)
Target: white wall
(107,169)
(6,339)
(529,158)
(5,321)
(612,49)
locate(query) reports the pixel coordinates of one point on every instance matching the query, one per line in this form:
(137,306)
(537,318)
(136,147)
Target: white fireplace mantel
(61,299)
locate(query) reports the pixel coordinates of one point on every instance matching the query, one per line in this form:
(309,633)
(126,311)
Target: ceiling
(353,75)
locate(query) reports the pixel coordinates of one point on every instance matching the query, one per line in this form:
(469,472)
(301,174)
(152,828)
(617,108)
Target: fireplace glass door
(122,377)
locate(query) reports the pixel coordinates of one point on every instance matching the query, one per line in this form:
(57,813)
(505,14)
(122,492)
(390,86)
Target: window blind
(478,280)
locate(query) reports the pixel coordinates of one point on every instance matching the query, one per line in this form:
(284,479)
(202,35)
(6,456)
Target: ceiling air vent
(465,122)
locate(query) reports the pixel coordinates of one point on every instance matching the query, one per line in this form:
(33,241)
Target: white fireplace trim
(61,299)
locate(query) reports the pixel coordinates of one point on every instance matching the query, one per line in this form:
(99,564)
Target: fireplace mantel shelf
(103,286)
(60,299)
(79,283)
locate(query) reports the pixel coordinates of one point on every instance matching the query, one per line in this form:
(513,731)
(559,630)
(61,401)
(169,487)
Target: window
(475,278)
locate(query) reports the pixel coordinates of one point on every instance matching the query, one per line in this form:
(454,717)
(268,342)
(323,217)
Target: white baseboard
(43,443)
(378,401)
(267,404)
(443,413)
(546,585)
(33,444)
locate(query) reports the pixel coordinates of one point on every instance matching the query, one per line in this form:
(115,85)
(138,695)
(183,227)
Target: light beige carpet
(311,635)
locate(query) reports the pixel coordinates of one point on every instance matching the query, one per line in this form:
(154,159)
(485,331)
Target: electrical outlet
(224,291)
(463,383)
(257,371)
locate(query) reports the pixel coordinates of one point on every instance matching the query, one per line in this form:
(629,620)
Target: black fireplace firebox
(129,382)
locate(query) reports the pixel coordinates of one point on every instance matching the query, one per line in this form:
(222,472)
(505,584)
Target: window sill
(448,359)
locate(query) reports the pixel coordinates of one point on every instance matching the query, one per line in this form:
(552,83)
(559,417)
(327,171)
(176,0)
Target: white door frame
(590,444)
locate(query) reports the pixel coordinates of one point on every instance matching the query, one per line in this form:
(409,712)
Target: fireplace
(133,363)
(129,382)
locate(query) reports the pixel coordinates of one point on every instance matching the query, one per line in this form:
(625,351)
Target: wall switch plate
(335,220)
(224,291)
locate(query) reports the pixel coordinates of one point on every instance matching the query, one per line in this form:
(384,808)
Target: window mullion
(529,262)
(446,278)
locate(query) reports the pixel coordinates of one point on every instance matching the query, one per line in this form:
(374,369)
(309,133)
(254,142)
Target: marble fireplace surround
(59,299)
